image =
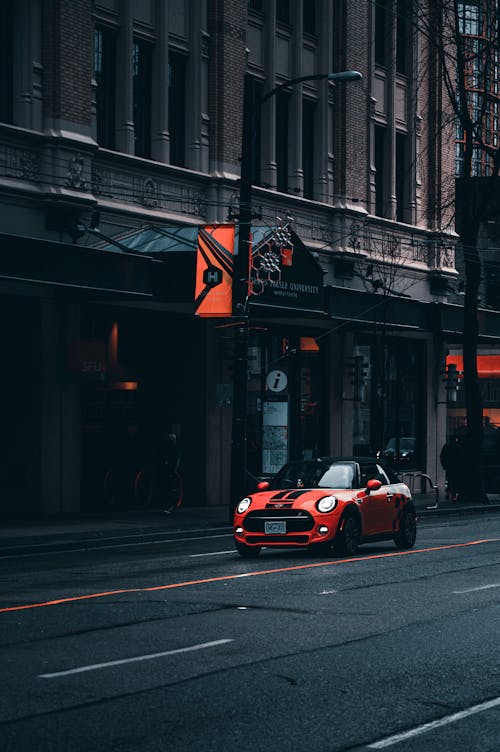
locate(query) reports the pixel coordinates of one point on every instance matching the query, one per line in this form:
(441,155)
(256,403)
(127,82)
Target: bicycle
(149,490)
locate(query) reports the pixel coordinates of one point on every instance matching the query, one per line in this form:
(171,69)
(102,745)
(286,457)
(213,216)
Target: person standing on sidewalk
(169,466)
(452,460)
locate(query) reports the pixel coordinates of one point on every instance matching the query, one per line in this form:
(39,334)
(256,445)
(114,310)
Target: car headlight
(326,504)
(243,505)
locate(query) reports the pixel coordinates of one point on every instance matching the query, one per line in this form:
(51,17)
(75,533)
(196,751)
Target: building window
(309,16)
(401,177)
(255,5)
(282,102)
(6,63)
(381,32)
(469,18)
(481,76)
(177,108)
(389,401)
(142,76)
(403,36)
(380,178)
(308,137)
(283,11)
(105,77)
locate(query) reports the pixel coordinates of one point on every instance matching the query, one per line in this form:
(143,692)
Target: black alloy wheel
(407,533)
(349,536)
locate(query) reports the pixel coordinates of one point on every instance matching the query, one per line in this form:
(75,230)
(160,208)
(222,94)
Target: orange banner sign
(214,271)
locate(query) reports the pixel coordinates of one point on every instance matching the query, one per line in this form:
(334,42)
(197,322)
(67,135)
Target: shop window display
(388,402)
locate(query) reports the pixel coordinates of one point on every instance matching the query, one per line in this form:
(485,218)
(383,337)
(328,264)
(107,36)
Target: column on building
(218,390)
(27,84)
(436,411)
(60,414)
(197,83)
(340,409)
(414,127)
(295,171)
(124,84)
(269,165)
(323,168)
(160,138)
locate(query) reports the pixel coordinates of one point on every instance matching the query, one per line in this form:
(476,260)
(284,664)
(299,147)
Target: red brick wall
(437,152)
(350,101)
(67,59)
(227,22)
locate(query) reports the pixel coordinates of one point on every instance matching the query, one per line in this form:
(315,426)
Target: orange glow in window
(488,366)
(308,344)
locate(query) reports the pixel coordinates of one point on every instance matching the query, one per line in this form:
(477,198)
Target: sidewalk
(127,523)
(425,505)
(111,523)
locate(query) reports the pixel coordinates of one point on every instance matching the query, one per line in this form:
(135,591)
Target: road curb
(461,510)
(52,539)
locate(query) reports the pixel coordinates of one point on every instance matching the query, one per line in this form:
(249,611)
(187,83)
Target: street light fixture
(241,272)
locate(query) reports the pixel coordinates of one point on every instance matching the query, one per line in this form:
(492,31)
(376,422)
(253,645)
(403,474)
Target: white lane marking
(475,589)
(105,548)
(149,657)
(328,592)
(212,553)
(405,735)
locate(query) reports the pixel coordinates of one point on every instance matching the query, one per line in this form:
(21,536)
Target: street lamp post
(241,275)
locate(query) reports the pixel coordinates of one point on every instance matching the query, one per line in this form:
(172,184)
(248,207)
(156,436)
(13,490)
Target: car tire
(247,552)
(348,537)
(320,549)
(407,533)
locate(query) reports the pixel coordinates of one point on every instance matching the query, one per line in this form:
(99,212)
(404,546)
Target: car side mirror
(263,485)
(373,485)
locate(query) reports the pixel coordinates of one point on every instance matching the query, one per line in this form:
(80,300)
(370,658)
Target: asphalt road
(177,644)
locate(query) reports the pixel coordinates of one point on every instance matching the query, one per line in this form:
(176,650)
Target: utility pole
(238,486)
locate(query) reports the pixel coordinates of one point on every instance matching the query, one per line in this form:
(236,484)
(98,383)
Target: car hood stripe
(296,494)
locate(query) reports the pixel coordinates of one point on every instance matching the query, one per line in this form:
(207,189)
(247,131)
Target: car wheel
(407,533)
(348,537)
(248,552)
(320,549)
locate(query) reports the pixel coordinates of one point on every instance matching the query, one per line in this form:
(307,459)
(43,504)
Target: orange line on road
(226,577)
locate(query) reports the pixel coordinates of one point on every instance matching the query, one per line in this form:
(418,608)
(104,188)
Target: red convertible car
(331,504)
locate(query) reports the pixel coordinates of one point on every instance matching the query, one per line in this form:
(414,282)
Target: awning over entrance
(379,310)
(295,284)
(87,271)
(401,313)
(279,284)
(451,322)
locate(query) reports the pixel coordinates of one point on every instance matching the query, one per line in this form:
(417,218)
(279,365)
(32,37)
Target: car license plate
(275,528)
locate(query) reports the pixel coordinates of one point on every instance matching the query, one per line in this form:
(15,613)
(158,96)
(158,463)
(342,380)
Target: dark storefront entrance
(20,376)
(151,385)
(286,405)
(389,400)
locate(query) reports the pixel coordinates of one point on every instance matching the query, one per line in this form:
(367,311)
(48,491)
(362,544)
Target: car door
(376,506)
(389,512)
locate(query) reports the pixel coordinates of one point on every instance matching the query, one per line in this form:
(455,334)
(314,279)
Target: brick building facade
(120,135)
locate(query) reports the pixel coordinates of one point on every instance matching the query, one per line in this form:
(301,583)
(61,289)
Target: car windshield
(338,475)
(405,442)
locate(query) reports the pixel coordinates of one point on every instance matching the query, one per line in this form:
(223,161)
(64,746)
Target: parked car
(405,457)
(328,504)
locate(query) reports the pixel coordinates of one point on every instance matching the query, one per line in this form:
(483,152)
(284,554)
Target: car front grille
(285,539)
(297,520)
